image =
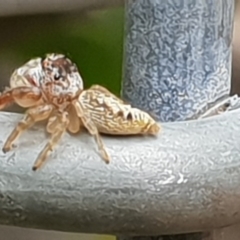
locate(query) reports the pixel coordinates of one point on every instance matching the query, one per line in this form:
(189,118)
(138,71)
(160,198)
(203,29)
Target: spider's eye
(57,77)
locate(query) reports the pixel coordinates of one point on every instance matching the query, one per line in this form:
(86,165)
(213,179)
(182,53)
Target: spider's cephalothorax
(55,77)
(62,81)
(46,86)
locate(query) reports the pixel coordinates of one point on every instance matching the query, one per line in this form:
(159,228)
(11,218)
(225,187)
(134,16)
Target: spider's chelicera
(52,88)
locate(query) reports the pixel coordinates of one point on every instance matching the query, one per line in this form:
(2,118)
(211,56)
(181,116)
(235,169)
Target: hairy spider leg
(33,115)
(90,126)
(61,124)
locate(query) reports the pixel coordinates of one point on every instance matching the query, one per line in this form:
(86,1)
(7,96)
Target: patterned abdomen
(112,116)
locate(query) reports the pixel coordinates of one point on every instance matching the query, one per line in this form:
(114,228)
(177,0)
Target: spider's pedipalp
(75,123)
(23,96)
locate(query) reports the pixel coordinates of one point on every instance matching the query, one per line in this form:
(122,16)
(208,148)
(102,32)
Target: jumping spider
(46,86)
(52,89)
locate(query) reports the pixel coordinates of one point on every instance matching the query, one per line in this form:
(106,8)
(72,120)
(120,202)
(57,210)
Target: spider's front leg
(23,96)
(32,116)
(57,126)
(91,127)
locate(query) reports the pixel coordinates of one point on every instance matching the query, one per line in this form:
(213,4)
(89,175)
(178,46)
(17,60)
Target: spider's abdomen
(112,116)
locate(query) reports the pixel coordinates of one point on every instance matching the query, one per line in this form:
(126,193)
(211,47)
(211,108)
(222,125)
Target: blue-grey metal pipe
(177,59)
(186,179)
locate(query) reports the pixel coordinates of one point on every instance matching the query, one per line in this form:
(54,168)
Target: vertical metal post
(177,61)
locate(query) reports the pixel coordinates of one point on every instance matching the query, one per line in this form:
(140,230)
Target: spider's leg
(23,96)
(60,126)
(32,116)
(91,127)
